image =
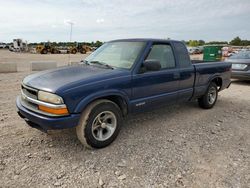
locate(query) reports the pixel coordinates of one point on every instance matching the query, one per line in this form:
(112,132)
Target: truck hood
(55,79)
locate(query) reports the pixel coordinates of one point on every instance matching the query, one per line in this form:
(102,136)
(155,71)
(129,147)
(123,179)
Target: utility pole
(70,36)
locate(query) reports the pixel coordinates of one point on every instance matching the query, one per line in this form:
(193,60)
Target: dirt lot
(177,146)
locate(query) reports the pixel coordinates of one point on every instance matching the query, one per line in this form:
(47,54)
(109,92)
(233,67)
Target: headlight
(49,97)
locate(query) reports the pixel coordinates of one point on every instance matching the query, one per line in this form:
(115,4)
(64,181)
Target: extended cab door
(187,72)
(156,88)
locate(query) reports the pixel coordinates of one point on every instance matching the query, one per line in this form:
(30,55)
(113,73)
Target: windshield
(117,54)
(241,55)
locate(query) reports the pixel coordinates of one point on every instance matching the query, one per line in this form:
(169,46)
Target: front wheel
(100,124)
(44,51)
(208,100)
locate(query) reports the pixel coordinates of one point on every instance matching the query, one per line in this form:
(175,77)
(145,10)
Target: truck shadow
(165,129)
(67,137)
(134,126)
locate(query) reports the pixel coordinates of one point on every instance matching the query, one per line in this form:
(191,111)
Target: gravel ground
(176,146)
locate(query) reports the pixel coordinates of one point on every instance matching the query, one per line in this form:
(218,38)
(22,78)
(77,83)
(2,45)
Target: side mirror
(151,65)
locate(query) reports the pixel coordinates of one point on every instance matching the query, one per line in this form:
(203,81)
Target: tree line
(237,41)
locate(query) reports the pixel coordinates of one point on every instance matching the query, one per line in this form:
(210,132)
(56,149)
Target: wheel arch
(117,97)
(217,80)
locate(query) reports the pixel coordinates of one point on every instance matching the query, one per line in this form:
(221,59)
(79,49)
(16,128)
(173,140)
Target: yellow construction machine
(79,48)
(46,48)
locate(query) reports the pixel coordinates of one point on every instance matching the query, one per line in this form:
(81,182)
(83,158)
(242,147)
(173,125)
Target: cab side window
(182,55)
(164,54)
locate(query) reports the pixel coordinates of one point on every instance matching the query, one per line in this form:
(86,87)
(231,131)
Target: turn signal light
(59,111)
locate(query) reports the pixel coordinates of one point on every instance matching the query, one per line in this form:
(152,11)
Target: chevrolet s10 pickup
(119,78)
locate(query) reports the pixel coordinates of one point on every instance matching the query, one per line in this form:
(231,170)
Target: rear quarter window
(182,54)
(164,54)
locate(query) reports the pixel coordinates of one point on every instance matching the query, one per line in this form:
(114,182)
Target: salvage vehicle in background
(18,45)
(121,77)
(240,65)
(195,50)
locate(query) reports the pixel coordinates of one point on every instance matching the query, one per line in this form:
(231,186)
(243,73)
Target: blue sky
(112,19)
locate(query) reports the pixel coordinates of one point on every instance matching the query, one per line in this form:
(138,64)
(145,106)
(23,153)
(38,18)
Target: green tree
(201,42)
(217,42)
(236,41)
(193,43)
(245,42)
(98,43)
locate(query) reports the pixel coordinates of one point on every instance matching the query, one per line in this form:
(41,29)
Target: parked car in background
(2,45)
(195,50)
(227,51)
(240,65)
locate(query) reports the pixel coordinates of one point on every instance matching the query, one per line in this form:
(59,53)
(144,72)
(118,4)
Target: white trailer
(19,45)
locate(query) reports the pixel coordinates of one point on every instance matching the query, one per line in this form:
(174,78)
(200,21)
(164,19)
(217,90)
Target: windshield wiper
(102,63)
(84,62)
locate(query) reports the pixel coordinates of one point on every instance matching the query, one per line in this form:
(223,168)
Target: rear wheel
(208,100)
(74,51)
(83,51)
(99,124)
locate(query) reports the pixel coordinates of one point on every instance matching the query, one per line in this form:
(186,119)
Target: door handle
(177,76)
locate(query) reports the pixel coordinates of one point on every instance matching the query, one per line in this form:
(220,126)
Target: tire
(83,51)
(208,100)
(99,124)
(44,51)
(74,51)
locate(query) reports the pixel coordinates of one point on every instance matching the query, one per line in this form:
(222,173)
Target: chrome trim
(30,88)
(49,105)
(23,103)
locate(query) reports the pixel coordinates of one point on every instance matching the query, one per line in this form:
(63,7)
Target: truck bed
(201,61)
(206,71)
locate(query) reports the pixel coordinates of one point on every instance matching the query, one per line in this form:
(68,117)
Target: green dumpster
(212,53)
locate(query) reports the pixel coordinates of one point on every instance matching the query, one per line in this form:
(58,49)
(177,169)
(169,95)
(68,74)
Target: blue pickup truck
(121,77)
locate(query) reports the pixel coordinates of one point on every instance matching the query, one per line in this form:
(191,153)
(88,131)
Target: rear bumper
(45,123)
(242,75)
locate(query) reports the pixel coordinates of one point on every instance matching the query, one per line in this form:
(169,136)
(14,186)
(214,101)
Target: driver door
(156,88)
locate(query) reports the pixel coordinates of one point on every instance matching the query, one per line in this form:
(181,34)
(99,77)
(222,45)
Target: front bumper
(45,123)
(242,75)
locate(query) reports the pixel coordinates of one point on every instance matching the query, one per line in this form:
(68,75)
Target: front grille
(30,92)
(30,101)
(29,105)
